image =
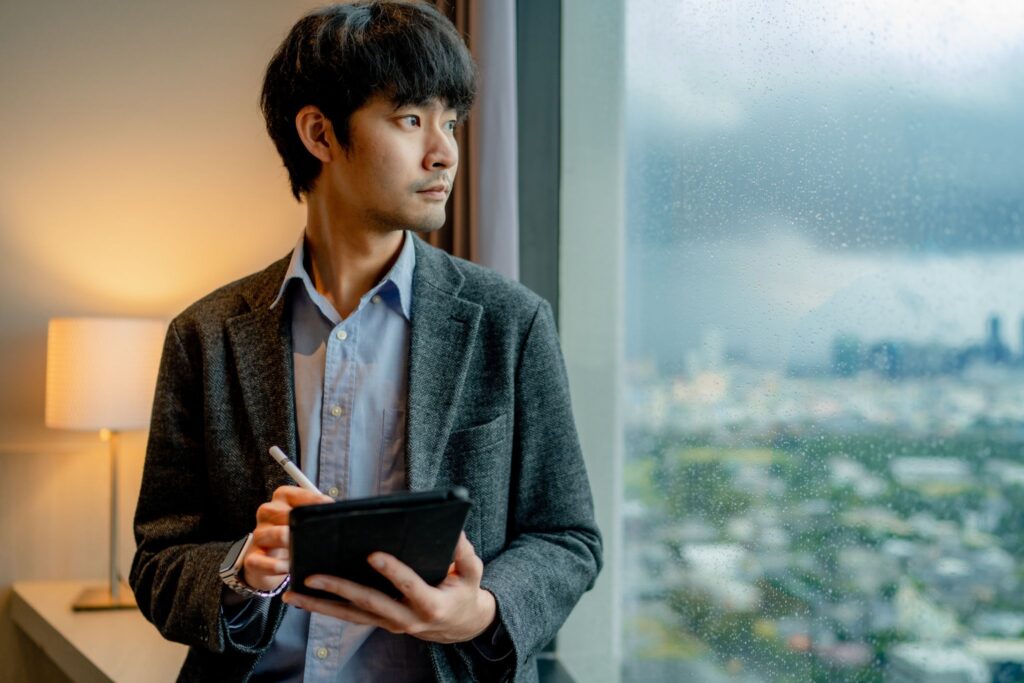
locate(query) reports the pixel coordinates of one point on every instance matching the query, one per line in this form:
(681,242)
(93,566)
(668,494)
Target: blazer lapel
(261,352)
(444,331)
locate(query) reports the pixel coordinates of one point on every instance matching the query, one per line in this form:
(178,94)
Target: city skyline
(781,301)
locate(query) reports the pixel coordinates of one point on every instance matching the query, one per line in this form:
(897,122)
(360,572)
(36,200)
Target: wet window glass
(824,410)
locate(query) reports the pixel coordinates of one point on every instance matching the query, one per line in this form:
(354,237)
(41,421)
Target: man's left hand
(457,610)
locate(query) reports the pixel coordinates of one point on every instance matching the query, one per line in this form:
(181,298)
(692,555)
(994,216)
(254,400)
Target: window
(823,414)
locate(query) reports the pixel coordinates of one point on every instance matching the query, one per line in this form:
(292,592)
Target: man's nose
(443,151)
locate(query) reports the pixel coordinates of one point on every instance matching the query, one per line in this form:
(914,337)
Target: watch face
(229,560)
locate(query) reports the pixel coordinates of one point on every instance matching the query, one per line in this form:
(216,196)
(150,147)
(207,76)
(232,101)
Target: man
(385,365)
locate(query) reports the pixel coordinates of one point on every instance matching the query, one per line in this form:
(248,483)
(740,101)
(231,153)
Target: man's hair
(338,57)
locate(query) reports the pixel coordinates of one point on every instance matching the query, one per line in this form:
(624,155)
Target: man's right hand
(266,564)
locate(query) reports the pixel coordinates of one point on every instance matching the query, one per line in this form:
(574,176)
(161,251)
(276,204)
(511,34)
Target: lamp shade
(101,372)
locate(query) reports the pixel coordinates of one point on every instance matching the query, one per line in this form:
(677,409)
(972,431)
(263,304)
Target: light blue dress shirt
(351,381)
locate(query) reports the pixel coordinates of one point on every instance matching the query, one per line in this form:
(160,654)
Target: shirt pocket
(391,459)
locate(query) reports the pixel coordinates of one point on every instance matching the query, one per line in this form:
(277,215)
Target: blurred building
(934,663)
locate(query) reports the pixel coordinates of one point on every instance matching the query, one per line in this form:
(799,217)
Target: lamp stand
(117,595)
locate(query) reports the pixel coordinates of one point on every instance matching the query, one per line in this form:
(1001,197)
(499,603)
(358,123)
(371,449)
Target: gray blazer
(488,409)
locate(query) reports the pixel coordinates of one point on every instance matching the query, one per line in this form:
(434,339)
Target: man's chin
(428,225)
(422,224)
(425,229)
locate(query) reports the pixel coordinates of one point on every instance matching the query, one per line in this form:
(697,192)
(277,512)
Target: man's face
(399,168)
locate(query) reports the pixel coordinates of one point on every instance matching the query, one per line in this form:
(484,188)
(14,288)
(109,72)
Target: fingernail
(377,561)
(315,583)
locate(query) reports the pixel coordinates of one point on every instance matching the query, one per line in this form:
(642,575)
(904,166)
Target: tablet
(419,528)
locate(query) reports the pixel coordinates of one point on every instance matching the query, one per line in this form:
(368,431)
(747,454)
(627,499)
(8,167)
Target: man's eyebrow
(425,103)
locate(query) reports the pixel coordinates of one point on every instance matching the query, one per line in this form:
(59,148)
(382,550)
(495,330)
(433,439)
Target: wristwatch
(231,567)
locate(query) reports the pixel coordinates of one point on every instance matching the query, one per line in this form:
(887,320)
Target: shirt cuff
(493,644)
(245,618)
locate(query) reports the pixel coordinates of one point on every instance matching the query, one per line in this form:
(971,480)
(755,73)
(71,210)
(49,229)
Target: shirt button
(342,335)
(333,491)
(336,411)
(321,653)
(375,299)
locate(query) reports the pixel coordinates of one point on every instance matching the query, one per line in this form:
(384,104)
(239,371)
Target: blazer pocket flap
(478,436)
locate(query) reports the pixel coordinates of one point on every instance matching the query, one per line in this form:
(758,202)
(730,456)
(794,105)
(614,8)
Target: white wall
(135,176)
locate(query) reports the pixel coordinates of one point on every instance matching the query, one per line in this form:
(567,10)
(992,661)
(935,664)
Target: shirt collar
(401,274)
(395,287)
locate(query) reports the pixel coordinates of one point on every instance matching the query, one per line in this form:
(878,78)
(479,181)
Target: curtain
(482,214)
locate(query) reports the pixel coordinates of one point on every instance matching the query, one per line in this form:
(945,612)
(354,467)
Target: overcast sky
(800,169)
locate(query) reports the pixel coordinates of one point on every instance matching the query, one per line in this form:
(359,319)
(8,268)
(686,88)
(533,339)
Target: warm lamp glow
(101,372)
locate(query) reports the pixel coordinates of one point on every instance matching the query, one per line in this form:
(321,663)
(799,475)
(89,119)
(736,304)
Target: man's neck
(347,260)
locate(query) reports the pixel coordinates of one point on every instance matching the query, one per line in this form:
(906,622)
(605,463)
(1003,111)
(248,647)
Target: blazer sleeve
(174,571)
(554,552)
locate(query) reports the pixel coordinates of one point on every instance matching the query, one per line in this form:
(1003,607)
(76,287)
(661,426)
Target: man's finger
(274,513)
(285,498)
(265,564)
(295,496)
(366,599)
(335,609)
(467,564)
(422,598)
(271,536)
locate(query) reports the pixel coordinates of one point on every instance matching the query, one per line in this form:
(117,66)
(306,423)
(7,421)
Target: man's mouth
(439,191)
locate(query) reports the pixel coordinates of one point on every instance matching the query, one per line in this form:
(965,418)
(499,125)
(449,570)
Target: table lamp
(100,375)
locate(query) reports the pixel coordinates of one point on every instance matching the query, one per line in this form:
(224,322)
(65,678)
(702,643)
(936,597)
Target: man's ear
(316,133)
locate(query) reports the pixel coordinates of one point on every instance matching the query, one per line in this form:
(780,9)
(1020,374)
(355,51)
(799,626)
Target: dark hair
(338,57)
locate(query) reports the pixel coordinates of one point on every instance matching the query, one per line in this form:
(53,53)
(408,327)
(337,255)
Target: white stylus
(293,471)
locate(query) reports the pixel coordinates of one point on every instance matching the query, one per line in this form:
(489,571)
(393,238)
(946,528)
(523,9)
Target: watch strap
(237,585)
(232,576)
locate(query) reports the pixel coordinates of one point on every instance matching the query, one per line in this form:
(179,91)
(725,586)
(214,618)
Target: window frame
(591,247)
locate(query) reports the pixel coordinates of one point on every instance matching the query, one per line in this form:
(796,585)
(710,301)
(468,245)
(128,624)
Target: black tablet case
(420,528)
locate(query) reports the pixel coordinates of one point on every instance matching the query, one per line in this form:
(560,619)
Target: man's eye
(411,120)
(452,125)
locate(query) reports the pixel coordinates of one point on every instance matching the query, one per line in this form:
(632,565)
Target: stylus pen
(293,471)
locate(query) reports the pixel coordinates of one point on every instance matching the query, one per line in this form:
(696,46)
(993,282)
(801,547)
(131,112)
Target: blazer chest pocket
(473,458)
(478,437)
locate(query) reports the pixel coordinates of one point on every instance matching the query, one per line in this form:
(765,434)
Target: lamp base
(96,599)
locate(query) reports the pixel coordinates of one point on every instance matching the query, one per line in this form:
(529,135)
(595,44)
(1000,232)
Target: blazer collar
(261,341)
(443,336)
(444,333)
